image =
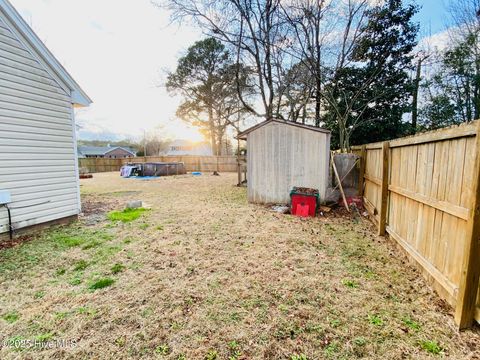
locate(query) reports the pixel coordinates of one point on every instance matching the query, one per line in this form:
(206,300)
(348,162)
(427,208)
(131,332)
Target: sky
(119,51)
(432,16)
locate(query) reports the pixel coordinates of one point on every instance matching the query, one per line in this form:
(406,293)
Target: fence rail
(192,163)
(424,192)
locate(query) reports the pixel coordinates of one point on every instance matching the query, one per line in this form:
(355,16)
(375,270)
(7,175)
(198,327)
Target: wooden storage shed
(38,153)
(283,154)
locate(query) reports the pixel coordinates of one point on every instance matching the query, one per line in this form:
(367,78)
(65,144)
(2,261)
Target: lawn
(202,274)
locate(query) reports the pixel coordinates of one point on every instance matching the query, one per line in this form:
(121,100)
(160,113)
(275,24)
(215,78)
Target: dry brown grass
(206,273)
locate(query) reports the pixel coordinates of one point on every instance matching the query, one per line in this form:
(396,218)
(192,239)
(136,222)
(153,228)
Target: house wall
(37,152)
(282,156)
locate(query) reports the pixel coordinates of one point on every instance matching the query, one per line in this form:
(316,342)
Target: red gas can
(304,201)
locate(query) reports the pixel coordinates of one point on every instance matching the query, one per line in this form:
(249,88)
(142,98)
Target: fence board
(431,189)
(192,163)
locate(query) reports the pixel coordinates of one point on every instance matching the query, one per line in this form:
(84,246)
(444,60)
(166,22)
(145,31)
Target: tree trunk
(341,135)
(416,85)
(318,68)
(317,102)
(468,100)
(213,139)
(476,91)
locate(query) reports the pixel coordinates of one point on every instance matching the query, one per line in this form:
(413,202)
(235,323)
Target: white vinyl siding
(37,157)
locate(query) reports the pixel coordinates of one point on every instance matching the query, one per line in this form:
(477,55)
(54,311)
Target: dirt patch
(17,240)
(93,205)
(96,207)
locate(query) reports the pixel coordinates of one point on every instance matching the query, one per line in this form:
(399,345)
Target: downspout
(75,157)
(10,226)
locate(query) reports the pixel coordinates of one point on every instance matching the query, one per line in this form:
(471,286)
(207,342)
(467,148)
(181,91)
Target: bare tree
(299,52)
(343,101)
(465,17)
(310,29)
(464,55)
(421,57)
(154,142)
(252,27)
(296,93)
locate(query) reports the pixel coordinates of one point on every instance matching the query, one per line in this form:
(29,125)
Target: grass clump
(60,272)
(11,317)
(411,324)
(115,269)
(39,295)
(91,244)
(211,355)
(350,284)
(76,280)
(359,341)
(80,266)
(46,248)
(162,350)
(331,350)
(101,283)
(234,350)
(335,323)
(86,311)
(431,346)
(298,357)
(68,241)
(44,337)
(375,320)
(73,236)
(126,215)
(61,315)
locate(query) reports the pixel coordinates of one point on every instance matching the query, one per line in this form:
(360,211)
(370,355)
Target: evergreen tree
(379,67)
(209,82)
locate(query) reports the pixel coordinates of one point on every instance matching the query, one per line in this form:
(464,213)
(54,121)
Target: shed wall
(37,155)
(280,157)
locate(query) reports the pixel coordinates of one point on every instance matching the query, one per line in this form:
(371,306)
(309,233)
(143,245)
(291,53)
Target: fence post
(382,222)
(468,287)
(363,163)
(239,171)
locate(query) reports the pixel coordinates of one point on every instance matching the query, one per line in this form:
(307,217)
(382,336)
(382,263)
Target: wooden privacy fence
(424,192)
(192,163)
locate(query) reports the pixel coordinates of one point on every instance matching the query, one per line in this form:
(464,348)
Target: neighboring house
(38,153)
(112,152)
(186,147)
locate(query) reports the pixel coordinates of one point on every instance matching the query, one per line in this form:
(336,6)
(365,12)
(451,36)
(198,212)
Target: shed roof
(23,30)
(244,133)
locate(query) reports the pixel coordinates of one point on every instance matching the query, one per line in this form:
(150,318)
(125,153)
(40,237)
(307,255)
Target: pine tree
(379,65)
